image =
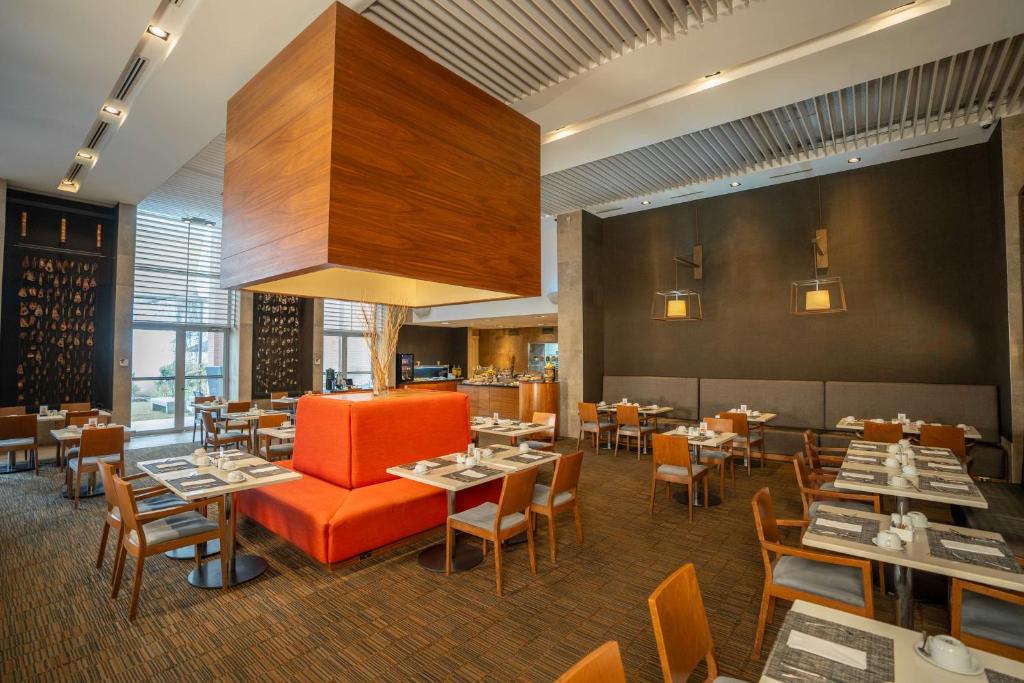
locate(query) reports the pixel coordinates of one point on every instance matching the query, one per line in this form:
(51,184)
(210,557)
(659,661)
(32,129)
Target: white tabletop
(486,425)
(499,462)
(916,554)
(912,427)
(168,479)
(251,416)
(716,441)
(286,399)
(285,434)
(908,666)
(61,415)
(644,410)
(917,489)
(66,434)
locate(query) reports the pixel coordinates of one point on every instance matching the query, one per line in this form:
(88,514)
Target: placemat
(184,482)
(866,459)
(944,466)
(230,456)
(518,457)
(996,677)
(786,663)
(261,471)
(877,478)
(482,469)
(936,549)
(865,446)
(698,438)
(868,527)
(926,483)
(933,452)
(440,461)
(171,465)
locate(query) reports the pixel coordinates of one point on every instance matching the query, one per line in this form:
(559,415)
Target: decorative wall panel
(277,344)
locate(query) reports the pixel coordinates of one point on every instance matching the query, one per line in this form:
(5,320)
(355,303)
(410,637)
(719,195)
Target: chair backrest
(109,490)
(588,413)
(272,420)
(603,665)
(199,400)
(516,494)
(803,479)
(239,406)
(12,410)
(764,521)
(945,436)
(105,441)
(125,497)
(883,432)
(548,419)
(681,626)
(719,424)
(278,394)
(567,474)
(627,415)
(739,423)
(18,426)
(76,407)
(208,424)
(671,450)
(811,452)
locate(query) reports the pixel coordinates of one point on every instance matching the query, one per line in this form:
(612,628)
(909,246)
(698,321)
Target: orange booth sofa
(346,504)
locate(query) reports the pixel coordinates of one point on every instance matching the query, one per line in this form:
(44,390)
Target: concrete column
(1013,183)
(124,300)
(240,383)
(318,345)
(570,319)
(3,228)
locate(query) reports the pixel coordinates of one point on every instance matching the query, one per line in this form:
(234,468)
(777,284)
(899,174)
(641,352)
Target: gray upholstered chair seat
(845,504)
(482,517)
(174,527)
(753,438)
(281,448)
(541,493)
(593,426)
(714,455)
(677,471)
(633,429)
(161,502)
(827,580)
(91,461)
(727,679)
(16,444)
(828,486)
(537,445)
(236,425)
(993,619)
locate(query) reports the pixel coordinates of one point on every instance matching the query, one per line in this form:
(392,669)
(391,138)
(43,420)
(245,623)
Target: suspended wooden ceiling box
(357,168)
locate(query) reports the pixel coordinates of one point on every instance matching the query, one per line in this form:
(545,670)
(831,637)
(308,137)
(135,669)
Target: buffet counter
(518,401)
(432,384)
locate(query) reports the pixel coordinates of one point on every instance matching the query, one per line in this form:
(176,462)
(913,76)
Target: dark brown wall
(916,242)
(430,344)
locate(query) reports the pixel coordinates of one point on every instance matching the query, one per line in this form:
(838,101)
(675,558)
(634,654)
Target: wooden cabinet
(487,400)
(539,397)
(444,385)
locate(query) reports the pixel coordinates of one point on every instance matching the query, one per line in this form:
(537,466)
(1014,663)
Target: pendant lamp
(821,294)
(681,304)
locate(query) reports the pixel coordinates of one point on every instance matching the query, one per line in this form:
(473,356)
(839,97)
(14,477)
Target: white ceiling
(499,322)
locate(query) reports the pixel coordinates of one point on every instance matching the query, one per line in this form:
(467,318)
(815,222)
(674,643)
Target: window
(344,347)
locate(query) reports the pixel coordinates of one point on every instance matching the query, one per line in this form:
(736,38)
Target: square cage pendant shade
(676,304)
(821,295)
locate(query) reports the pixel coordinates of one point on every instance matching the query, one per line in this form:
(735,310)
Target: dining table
(957,552)
(252,417)
(755,418)
(183,476)
(509,428)
(698,441)
(55,419)
(851,423)
(819,644)
(448,474)
(70,436)
(281,433)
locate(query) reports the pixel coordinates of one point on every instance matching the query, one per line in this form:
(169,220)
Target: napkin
(530,457)
(837,525)
(473,473)
(849,656)
(854,475)
(971,548)
(168,464)
(198,482)
(857,458)
(264,469)
(944,467)
(934,451)
(948,485)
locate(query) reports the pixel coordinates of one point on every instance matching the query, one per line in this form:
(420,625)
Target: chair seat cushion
(715,455)
(538,445)
(91,461)
(175,527)
(827,580)
(541,493)
(241,424)
(678,471)
(744,439)
(281,449)
(633,429)
(482,517)
(845,504)
(16,444)
(986,617)
(161,502)
(828,486)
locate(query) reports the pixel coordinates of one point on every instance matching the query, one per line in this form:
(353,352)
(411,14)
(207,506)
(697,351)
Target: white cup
(286,424)
(486,453)
(948,652)
(471,461)
(201,460)
(893,448)
(710,432)
(910,470)
(420,468)
(226,465)
(460,458)
(888,539)
(892,463)
(902,417)
(524,448)
(236,476)
(743,407)
(917,519)
(896,519)
(496,417)
(199,451)
(898,481)
(904,442)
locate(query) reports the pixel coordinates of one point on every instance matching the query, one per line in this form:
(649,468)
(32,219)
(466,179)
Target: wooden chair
(842,583)
(882,432)
(215,438)
(822,459)
(151,533)
(265,447)
(725,455)
(496,523)
(629,425)
(672,464)
(80,418)
(276,405)
(946,436)
(546,440)
(77,407)
(591,423)
(681,627)
(988,618)
(244,426)
(818,489)
(18,433)
(148,499)
(559,497)
(746,438)
(197,420)
(12,410)
(603,665)
(97,445)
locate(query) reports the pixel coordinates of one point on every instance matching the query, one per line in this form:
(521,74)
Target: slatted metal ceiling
(195,189)
(948,93)
(515,48)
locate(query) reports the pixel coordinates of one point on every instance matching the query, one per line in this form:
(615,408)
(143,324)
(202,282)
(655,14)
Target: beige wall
(501,347)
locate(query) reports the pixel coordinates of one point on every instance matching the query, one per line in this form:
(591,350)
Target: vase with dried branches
(381,326)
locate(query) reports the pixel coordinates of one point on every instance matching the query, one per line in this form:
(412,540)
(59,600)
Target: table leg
(698,491)
(904,579)
(465,555)
(241,568)
(208,549)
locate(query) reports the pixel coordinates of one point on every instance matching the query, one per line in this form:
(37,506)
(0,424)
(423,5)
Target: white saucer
(974,668)
(885,547)
(905,486)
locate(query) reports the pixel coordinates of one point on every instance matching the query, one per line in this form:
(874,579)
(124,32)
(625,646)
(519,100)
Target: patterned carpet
(387,619)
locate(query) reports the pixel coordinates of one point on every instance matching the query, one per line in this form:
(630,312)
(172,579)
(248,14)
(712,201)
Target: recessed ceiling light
(853,160)
(539,316)
(443,323)
(158,32)
(113,111)
(646,202)
(68,185)
(87,156)
(735,183)
(717,73)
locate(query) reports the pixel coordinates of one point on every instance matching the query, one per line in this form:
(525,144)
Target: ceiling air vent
(614,208)
(687,194)
(783,175)
(97,134)
(129,77)
(73,171)
(929,144)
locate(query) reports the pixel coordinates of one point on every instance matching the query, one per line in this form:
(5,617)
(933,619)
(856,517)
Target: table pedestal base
(17,467)
(698,498)
(189,551)
(466,556)
(242,568)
